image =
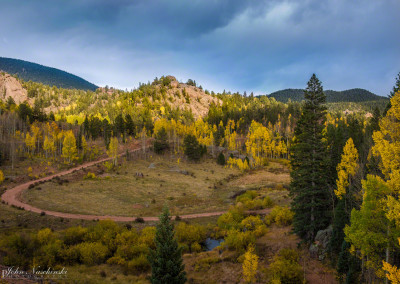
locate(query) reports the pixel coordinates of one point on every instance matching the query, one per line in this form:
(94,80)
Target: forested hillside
(29,71)
(352,95)
(342,165)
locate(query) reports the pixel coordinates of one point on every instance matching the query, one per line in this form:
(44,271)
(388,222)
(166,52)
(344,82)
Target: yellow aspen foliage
(1,177)
(230,135)
(387,148)
(113,150)
(49,146)
(346,168)
(250,265)
(36,133)
(69,152)
(30,143)
(392,272)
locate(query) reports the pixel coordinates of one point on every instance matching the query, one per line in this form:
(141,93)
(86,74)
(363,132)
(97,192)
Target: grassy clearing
(187,188)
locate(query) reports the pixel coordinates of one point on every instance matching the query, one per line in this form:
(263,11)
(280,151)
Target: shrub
(92,253)
(190,234)
(221,159)
(138,264)
(196,247)
(248,195)
(231,219)
(70,255)
(49,254)
(239,240)
(268,202)
(147,236)
(74,235)
(139,220)
(90,175)
(285,267)
(282,216)
(255,224)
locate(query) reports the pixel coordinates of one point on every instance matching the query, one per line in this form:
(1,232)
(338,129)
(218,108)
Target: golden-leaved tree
(387,148)
(69,151)
(250,265)
(113,150)
(375,228)
(347,168)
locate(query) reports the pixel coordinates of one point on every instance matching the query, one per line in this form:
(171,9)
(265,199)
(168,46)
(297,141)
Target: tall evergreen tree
(309,185)
(130,125)
(161,141)
(396,88)
(193,150)
(166,258)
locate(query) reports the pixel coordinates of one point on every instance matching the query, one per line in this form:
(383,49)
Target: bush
(251,200)
(196,247)
(255,224)
(74,235)
(139,220)
(239,241)
(285,267)
(90,175)
(231,219)
(248,195)
(71,255)
(138,264)
(282,216)
(190,234)
(92,253)
(147,236)
(268,202)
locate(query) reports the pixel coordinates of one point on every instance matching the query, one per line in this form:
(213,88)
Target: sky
(245,45)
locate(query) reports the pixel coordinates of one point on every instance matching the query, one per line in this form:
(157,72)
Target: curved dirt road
(12,197)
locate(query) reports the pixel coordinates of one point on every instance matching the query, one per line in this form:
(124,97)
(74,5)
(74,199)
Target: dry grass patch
(186,188)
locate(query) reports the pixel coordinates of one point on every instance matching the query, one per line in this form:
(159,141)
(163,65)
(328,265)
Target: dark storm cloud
(257,46)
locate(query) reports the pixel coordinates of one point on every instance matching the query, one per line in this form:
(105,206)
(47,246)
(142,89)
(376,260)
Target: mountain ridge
(30,71)
(350,95)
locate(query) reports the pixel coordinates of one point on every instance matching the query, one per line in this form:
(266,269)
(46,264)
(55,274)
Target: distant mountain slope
(29,71)
(352,95)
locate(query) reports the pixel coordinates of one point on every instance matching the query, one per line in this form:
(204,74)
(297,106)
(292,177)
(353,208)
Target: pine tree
(166,258)
(221,159)
(193,149)
(130,125)
(161,141)
(308,186)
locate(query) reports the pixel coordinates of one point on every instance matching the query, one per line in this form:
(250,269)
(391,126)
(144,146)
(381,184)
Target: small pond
(211,243)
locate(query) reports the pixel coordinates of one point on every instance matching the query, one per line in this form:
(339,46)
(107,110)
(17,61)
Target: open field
(187,188)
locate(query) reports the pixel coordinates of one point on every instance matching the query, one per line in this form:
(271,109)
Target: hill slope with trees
(29,71)
(352,95)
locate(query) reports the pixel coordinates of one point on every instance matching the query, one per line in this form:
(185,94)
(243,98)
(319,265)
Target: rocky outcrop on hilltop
(11,87)
(189,97)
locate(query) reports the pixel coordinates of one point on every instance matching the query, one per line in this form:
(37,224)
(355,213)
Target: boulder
(319,248)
